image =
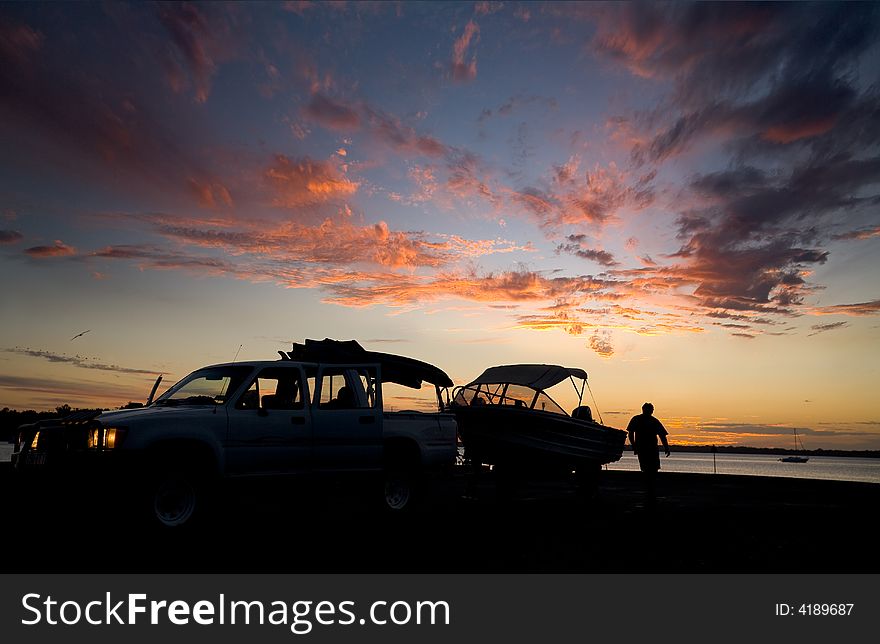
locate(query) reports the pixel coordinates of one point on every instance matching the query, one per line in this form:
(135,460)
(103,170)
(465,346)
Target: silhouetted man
(643,432)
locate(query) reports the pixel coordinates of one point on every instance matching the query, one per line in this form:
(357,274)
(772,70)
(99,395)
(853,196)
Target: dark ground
(700,523)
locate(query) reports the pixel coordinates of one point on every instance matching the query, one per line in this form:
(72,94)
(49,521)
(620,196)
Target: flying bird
(79,334)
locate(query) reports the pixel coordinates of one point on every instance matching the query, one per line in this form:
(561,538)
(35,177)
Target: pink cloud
(484,8)
(463,70)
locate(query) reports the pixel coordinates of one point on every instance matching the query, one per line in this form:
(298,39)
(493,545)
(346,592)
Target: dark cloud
(78,361)
(10,236)
(800,111)
(54,113)
(58,249)
(202,37)
(865,233)
(713,49)
(386,128)
(831,326)
(402,138)
(50,392)
(575,246)
(746,245)
(515,102)
(332,114)
(189,32)
(860,309)
(159,259)
(781,90)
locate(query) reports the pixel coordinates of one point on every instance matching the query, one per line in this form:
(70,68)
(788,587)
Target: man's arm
(632,437)
(665,443)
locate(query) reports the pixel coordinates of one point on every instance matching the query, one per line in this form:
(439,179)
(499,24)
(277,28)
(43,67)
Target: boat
(796,458)
(505,416)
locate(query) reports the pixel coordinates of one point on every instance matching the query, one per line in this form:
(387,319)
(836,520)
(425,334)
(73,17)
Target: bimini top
(398,369)
(536,376)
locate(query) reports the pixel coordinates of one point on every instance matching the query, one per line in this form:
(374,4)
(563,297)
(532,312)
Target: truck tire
(401,481)
(400,491)
(176,495)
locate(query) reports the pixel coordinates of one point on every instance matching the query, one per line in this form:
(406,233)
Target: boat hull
(506,434)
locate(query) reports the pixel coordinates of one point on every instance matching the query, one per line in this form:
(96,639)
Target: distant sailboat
(795,458)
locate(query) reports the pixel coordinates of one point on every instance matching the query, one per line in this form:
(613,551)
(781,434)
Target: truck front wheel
(177,491)
(174,498)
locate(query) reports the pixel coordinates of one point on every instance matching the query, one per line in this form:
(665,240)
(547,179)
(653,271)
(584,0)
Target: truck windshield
(211,386)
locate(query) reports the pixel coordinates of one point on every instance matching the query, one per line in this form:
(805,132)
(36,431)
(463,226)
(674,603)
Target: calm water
(818,467)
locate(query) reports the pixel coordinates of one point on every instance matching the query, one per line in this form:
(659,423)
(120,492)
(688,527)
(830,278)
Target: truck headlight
(105,437)
(112,436)
(35,441)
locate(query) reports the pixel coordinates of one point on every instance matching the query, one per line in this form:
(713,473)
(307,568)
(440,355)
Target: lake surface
(838,468)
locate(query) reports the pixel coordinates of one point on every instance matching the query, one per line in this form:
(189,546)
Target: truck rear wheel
(400,491)
(402,481)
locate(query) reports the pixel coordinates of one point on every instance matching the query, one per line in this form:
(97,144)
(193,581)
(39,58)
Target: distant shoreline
(773,451)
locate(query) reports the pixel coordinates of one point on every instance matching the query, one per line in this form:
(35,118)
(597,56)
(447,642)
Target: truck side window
(348,388)
(335,393)
(273,389)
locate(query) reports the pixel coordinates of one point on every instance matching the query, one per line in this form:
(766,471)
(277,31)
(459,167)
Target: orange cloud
(210,195)
(866,233)
(601,344)
(306,182)
(789,132)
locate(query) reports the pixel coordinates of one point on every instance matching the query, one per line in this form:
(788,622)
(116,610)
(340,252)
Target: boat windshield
(507,394)
(210,386)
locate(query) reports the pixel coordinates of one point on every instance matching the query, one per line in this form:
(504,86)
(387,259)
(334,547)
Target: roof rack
(401,370)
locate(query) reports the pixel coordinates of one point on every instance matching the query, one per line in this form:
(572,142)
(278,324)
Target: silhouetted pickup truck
(316,413)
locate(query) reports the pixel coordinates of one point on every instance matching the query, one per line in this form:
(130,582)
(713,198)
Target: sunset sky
(683,200)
